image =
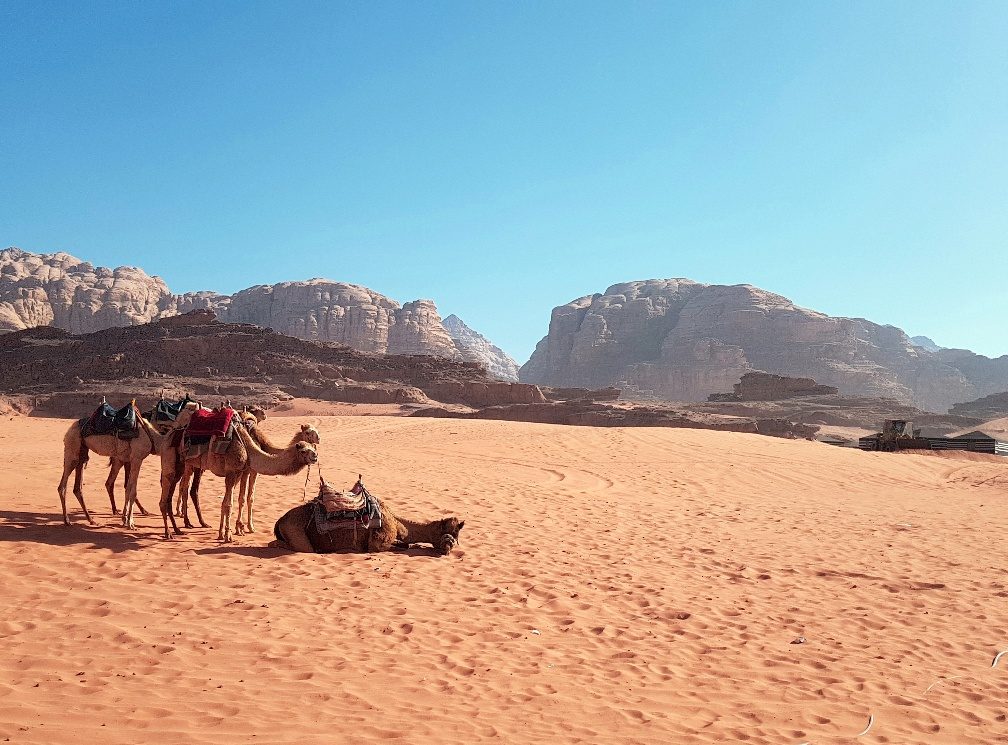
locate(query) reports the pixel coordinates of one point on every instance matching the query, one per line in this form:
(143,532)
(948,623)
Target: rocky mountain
(477,348)
(926,342)
(994,406)
(676,339)
(63,291)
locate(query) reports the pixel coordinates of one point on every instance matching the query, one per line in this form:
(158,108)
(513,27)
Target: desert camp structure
(900,435)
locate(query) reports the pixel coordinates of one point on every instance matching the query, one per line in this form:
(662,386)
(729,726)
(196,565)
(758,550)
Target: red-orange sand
(612,586)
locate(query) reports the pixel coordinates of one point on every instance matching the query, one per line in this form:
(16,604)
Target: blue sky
(504,158)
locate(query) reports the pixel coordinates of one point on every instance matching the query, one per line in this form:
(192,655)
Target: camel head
(309,434)
(185,415)
(448,529)
(258,412)
(305,453)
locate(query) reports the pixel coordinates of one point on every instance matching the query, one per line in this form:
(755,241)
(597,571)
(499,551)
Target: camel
(128,453)
(296,530)
(243,454)
(252,417)
(246,491)
(114,466)
(246,488)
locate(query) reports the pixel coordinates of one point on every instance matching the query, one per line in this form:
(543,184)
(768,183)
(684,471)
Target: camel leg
(183,488)
(78,490)
(251,494)
(133,472)
(168,483)
(224,533)
(114,467)
(136,498)
(242,492)
(296,541)
(67,468)
(194,494)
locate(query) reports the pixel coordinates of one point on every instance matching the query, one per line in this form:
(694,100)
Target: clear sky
(506,157)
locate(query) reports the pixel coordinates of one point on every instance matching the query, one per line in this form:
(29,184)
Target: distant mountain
(63,291)
(477,348)
(676,339)
(923,341)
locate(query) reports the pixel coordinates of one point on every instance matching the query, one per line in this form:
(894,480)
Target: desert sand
(611,586)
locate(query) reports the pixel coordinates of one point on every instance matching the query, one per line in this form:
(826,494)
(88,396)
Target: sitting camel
(128,453)
(241,455)
(297,530)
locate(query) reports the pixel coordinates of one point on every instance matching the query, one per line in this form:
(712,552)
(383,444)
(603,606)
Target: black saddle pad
(108,421)
(166,411)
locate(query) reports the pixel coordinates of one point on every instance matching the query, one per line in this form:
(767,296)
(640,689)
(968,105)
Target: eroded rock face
(676,339)
(62,291)
(475,347)
(761,386)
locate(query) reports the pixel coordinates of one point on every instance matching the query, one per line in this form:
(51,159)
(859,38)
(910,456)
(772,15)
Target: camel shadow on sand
(49,529)
(274,552)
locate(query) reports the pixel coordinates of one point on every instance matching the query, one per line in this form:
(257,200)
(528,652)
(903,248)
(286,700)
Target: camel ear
(304,427)
(461,525)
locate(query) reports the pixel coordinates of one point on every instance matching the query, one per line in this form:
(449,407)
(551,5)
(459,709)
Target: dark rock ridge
(194,353)
(760,386)
(590,413)
(63,291)
(475,347)
(676,339)
(990,407)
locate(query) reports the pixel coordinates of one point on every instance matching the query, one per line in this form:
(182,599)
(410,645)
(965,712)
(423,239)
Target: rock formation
(760,386)
(66,373)
(676,339)
(994,406)
(62,291)
(475,347)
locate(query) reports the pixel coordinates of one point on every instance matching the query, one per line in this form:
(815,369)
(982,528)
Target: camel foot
(240,528)
(66,523)
(144,512)
(203,524)
(250,528)
(188,524)
(169,537)
(91,521)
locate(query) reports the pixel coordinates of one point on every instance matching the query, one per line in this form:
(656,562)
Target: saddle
(210,428)
(166,411)
(353,509)
(108,421)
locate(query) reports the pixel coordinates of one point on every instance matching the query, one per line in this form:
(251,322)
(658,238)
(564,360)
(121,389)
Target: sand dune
(612,585)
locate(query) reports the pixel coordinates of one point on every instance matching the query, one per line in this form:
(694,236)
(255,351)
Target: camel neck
(284,463)
(421,532)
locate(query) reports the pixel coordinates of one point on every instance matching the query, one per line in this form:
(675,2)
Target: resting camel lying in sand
(243,454)
(128,453)
(298,531)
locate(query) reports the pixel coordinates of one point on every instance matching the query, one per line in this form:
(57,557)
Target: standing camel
(243,454)
(246,490)
(128,453)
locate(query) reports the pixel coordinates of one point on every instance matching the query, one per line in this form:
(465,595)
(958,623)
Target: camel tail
(277,533)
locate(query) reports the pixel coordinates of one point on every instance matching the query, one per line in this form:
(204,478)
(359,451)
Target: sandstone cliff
(63,291)
(677,339)
(477,348)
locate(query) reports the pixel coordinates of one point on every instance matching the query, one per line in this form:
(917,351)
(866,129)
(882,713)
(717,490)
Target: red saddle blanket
(207,423)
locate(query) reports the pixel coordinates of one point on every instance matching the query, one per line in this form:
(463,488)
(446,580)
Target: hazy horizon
(503,160)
